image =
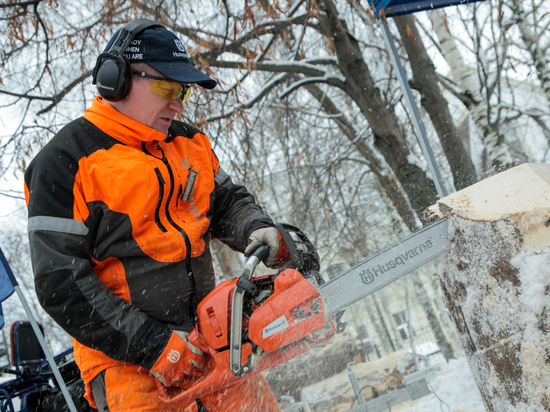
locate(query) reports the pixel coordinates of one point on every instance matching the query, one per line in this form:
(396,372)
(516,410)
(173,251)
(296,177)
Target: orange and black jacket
(120,257)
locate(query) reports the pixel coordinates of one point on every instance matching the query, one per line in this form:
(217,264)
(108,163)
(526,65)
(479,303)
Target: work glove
(179,362)
(269,236)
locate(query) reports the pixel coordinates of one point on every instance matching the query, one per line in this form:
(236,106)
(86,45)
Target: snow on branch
(272,27)
(273,66)
(337,81)
(263,92)
(329,61)
(529,111)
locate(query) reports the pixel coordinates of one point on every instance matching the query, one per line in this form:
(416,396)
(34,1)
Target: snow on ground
(454,385)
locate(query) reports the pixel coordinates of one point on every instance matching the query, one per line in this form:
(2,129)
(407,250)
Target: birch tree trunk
(497,152)
(532,43)
(496,282)
(426,81)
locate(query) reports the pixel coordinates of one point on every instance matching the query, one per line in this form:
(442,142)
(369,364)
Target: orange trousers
(132,388)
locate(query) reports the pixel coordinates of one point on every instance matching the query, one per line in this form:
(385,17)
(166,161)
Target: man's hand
(269,236)
(179,361)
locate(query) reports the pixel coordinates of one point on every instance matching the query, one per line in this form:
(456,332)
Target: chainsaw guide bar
(385,267)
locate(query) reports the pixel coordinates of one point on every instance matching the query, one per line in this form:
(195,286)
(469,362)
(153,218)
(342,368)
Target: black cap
(163,51)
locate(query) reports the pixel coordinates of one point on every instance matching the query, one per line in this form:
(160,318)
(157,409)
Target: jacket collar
(120,127)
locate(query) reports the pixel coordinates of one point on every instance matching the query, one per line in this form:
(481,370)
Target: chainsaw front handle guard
(253,261)
(235,340)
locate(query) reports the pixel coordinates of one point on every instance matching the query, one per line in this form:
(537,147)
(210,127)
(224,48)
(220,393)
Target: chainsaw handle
(260,253)
(217,374)
(235,337)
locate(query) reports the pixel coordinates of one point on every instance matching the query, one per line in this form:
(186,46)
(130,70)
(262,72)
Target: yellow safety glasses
(168,89)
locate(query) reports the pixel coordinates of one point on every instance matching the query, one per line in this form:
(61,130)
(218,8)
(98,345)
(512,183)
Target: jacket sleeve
(236,214)
(61,234)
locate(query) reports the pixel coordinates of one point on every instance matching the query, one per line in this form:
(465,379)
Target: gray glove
(268,236)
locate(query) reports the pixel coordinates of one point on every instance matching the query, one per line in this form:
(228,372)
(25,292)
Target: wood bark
(483,290)
(496,284)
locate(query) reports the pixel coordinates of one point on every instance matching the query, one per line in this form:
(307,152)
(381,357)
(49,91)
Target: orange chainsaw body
(294,310)
(274,331)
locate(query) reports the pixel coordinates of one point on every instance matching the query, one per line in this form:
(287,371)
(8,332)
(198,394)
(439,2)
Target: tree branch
(22,4)
(58,97)
(336,81)
(265,90)
(272,66)
(272,27)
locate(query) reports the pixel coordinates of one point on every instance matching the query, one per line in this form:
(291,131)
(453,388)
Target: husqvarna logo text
(369,274)
(173,356)
(276,326)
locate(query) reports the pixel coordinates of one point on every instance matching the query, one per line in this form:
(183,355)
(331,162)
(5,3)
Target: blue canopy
(394,8)
(7,282)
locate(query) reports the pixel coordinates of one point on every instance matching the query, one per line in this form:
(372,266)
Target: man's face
(147,107)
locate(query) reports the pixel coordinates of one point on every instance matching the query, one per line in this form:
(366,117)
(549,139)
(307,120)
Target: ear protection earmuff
(112,72)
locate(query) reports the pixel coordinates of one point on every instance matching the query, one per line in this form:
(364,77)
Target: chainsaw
(251,324)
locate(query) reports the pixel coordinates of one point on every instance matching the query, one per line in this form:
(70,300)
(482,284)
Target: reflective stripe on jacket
(120,257)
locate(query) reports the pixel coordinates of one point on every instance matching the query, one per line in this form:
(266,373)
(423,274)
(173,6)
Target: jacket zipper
(180,190)
(191,277)
(159,203)
(167,205)
(193,306)
(166,209)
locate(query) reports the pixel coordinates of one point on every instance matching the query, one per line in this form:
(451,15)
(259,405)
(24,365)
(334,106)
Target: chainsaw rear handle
(217,374)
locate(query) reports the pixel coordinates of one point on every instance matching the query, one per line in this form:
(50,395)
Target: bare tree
(425,80)
(307,113)
(498,154)
(532,20)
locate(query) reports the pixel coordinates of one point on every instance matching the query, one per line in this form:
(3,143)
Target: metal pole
(419,129)
(46,350)
(5,265)
(355,385)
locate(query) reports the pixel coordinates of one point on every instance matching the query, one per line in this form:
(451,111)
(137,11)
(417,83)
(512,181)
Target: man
(123,203)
